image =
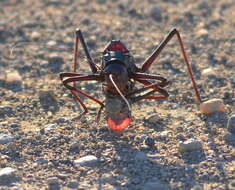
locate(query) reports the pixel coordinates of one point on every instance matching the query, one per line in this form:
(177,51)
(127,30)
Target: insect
(118,74)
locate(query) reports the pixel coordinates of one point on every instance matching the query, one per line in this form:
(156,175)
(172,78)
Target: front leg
(68,78)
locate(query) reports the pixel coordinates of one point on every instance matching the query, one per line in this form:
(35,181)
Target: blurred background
(36,44)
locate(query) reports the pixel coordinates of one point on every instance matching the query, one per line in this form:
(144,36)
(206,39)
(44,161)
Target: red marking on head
(118,125)
(117,47)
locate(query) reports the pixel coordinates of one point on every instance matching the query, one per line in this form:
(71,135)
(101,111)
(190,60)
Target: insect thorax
(126,59)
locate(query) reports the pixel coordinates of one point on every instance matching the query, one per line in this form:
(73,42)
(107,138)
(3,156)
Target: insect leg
(79,36)
(99,113)
(73,77)
(146,76)
(66,75)
(81,78)
(149,85)
(148,62)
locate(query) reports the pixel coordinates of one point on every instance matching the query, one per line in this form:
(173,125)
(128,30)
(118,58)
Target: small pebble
(50,127)
(229,137)
(154,156)
(13,81)
(75,147)
(6,138)
(231,185)
(6,111)
(51,43)
(211,106)
(13,76)
(155,13)
(55,62)
(35,35)
(188,167)
(62,120)
(165,133)
(41,131)
(208,71)
(202,32)
(88,160)
(7,175)
(52,180)
(15,187)
(190,145)
(53,183)
(14,125)
(107,178)
(149,141)
(48,101)
(231,124)
(72,184)
(153,119)
(41,161)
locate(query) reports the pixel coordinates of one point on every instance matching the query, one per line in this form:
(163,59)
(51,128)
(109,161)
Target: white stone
(51,43)
(35,35)
(7,171)
(7,175)
(165,133)
(50,127)
(211,106)
(13,76)
(6,138)
(207,71)
(202,32)
(189,145)
(88,160)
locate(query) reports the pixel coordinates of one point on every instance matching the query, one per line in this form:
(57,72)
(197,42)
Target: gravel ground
(41,147)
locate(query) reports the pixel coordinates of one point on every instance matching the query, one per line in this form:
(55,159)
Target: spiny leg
(145,77)
(72,77)
(77,98)
(68,74)
(74,90)
(79,37)
(148,85)
(148,62)
(99,113)
(82,78)
(157,86)
(91,63)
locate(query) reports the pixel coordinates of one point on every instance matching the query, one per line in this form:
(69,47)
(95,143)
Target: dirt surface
(36,44)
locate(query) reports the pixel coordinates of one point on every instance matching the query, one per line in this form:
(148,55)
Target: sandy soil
(36,44)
